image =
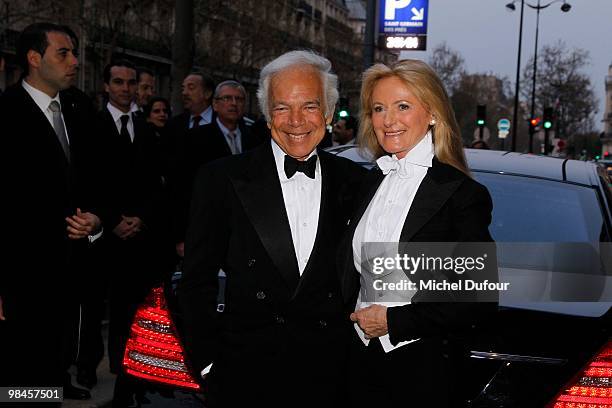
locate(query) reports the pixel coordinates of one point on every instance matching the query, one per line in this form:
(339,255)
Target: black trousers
(414,375)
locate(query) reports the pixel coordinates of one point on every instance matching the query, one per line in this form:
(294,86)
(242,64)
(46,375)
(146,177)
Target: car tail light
(153,352)
(592,387)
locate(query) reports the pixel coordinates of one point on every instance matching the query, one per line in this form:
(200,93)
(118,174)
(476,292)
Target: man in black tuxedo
(228,134)
(133,195)
(53,211)
(271,218)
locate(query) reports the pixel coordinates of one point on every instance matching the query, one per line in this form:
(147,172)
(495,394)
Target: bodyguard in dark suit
(51,190)
(229,133)
(271,219)
(133,194)
(403,354)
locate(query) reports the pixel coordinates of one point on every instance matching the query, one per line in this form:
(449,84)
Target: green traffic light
(480,122)
(343,113)
(597,157)
(547,125)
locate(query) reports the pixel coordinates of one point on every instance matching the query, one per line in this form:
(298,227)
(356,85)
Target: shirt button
(305,224)
(322,323)
(330,295)
(280,319)
(261,295)
(251,262)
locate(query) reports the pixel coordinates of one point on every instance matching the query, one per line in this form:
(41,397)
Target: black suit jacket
(133,182)
(43,184)
(278,330)
(201,145)
(40,269)
(448,207)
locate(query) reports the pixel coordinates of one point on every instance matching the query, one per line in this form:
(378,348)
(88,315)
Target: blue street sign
(403,17)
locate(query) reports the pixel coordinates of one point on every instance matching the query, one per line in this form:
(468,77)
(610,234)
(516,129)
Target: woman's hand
(372,320)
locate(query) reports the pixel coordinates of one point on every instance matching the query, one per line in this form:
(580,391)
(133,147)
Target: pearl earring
(433,122)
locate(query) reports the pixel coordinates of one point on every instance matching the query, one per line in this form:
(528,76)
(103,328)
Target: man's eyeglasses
(230,98)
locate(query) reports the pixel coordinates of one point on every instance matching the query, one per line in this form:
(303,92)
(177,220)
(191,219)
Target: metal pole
(368,43)
(535,68)
(518,72)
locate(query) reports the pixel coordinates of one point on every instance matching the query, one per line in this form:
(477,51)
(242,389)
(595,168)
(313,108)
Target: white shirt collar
(226,131)
(135,108)
(116,113)
(279,159)
(422,154)
(41,99)
(206,115)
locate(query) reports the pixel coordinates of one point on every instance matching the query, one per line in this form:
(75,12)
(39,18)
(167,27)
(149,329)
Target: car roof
(553,168)
(503,162)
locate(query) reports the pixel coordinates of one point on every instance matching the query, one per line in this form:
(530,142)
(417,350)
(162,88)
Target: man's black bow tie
(307,166)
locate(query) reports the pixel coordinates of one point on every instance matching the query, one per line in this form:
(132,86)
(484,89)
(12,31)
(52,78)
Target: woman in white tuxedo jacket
(403,353)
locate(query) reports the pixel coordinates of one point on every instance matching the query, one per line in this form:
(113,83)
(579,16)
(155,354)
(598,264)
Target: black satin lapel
(261,196)
(349,281)
(433,192)
(324,222)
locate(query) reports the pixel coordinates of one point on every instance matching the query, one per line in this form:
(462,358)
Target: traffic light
(533,124)
(548,118)
(481,115)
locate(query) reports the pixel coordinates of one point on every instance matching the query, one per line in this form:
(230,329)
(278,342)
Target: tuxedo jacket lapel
(349,279)
(435,189)
(260,193)
(324,224)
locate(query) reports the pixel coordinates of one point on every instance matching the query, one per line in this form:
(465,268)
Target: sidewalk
(102,393)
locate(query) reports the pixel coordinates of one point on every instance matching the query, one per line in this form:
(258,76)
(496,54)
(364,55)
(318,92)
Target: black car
(553,351)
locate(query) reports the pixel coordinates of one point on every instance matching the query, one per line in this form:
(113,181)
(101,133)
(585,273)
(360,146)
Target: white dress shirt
(234,143)
(302,197)
(117,114)
(205,117)
(43,101)
(386,214)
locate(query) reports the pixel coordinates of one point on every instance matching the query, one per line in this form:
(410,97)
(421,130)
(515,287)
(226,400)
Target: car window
(534,210)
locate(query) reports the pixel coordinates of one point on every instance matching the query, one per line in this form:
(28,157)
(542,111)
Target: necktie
(196,121)
(232,142)
(124,130)
(388,164)
(58,126)
(294,165)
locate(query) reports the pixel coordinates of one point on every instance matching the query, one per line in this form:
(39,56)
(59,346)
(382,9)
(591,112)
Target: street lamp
(565,7)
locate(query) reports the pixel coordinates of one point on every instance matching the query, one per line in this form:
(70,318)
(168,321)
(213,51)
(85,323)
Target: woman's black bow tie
(307,166)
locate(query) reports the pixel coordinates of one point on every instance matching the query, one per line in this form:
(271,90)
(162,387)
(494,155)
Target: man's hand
(372,320)
(82,224)
(128,227)
(180,249)
(1,310)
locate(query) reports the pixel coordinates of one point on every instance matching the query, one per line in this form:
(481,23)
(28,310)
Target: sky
(486,35)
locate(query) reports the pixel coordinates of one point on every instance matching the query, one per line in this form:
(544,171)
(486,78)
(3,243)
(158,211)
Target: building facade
(231,39)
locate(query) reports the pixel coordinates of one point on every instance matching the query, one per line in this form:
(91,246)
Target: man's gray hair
(291,59)
(231,83)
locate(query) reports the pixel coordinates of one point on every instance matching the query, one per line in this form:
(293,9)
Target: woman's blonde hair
(425,85)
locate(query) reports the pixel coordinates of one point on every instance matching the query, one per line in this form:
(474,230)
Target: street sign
(412,42)
(502,134)
(403,17)
(503,125)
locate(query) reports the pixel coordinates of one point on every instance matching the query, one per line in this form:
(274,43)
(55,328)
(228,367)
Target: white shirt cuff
(206,370)
(93,238)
